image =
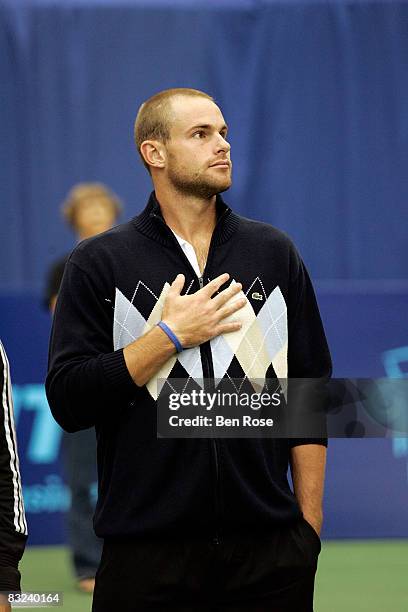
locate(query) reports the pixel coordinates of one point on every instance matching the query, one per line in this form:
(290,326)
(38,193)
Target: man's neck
(192,218)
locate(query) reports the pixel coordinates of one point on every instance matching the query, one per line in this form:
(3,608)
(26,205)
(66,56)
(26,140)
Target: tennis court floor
(353,576)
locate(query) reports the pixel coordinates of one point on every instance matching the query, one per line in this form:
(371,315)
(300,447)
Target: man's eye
(199,134)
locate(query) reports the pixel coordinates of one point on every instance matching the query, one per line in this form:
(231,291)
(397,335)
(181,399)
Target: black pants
(271,571)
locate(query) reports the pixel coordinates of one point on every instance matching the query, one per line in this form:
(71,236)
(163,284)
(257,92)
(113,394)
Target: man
(89,209)
(191,291)
(13,526)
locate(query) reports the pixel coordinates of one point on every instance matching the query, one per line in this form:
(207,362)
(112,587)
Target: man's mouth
(222,163)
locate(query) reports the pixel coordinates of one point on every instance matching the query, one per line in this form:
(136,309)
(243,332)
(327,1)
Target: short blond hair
(154,118)
(85,191)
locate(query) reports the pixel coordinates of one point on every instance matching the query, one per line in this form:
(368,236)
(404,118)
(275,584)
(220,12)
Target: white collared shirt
(189,253)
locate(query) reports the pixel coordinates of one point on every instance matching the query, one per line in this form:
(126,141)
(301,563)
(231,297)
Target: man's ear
(153,153)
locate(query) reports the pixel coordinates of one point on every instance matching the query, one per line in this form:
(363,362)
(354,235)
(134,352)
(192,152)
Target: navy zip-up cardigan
(111,286)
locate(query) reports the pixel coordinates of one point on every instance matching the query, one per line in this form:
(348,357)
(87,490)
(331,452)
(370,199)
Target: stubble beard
(196,184)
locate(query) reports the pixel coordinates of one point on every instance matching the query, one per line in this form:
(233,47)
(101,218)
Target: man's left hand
(315,521)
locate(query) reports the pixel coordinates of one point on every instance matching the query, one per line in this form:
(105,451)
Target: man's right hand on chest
(193,319)
(198,317)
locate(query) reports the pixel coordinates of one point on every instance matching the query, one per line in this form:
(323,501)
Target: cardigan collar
(151,223)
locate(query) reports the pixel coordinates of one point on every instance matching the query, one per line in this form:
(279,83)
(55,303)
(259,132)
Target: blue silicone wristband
(171,335)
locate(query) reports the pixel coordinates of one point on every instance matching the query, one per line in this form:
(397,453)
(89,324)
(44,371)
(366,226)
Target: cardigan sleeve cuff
(302,441)
(117,374)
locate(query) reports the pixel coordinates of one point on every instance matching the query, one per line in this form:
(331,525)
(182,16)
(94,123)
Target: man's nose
(223,144)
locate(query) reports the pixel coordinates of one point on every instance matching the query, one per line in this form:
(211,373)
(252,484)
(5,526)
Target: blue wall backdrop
(316,97)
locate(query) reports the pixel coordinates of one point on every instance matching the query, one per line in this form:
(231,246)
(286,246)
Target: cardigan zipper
(208,379)
(209,387)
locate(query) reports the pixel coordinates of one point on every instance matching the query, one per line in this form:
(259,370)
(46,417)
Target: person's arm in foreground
(4,607)
(13,528)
